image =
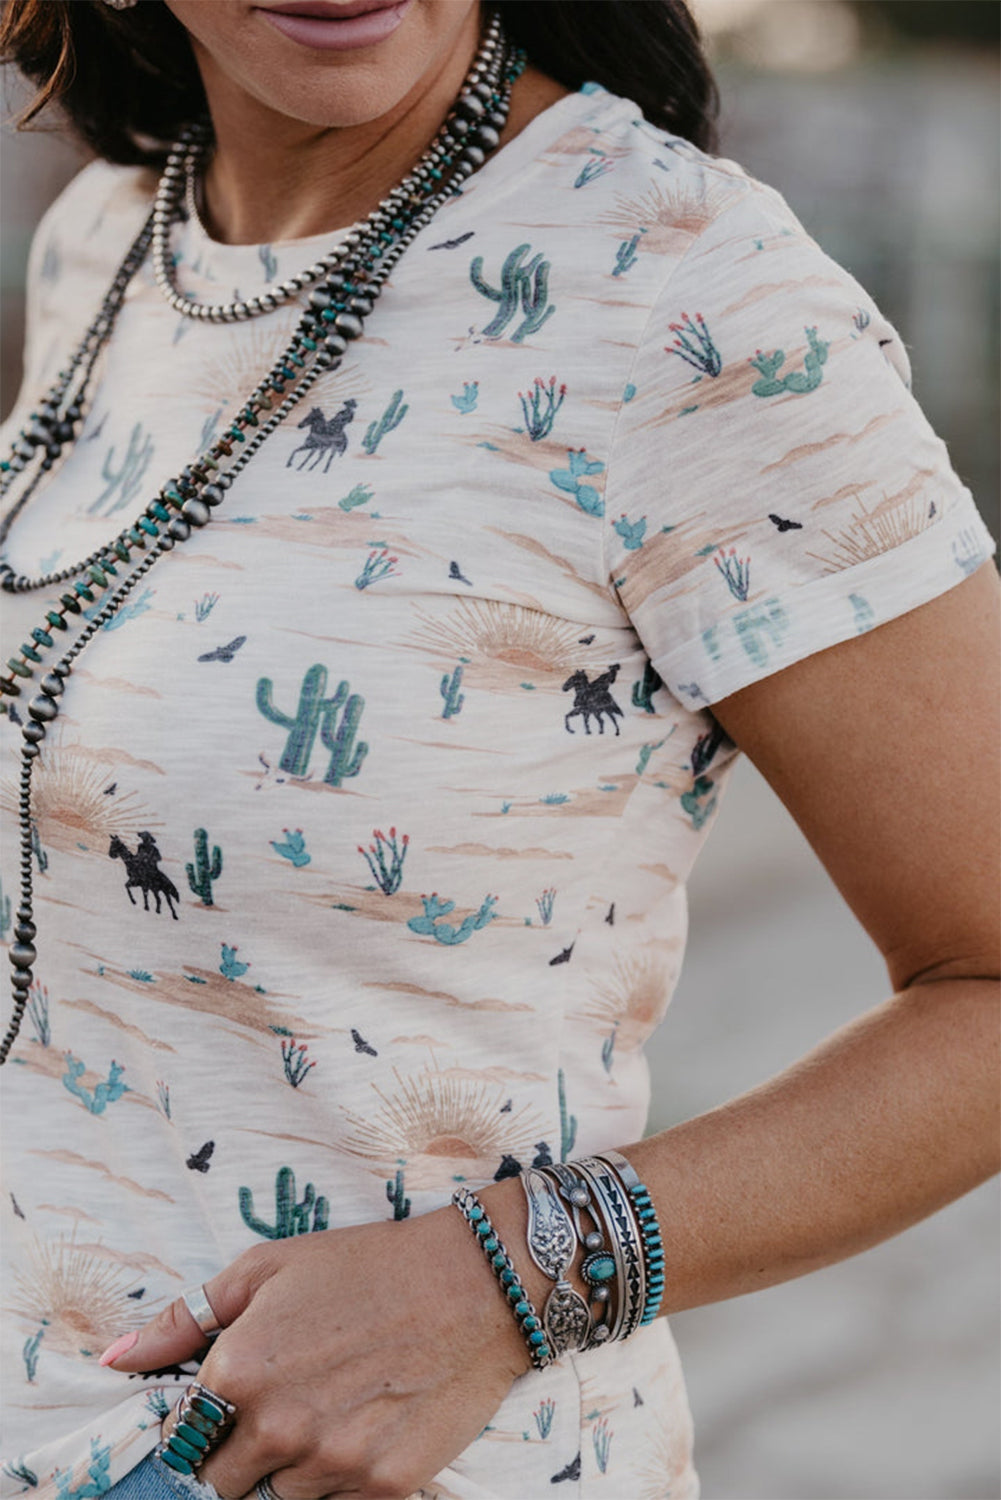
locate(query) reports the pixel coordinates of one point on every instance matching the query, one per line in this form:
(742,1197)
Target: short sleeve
(773,487)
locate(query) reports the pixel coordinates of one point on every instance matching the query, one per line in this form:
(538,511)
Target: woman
(430,578)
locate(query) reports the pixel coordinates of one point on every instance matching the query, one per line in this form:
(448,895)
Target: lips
(324,26)
(328,10)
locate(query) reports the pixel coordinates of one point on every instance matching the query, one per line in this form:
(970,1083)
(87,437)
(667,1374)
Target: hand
(362,1360)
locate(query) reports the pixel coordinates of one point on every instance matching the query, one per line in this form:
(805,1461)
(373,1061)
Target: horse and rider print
(142,869)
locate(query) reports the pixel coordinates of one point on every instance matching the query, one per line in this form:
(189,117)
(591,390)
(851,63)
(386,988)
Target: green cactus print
(104,1093)
(525,284)
(309,1216)
(29,1353)
(98,1469)
(391,417)
(797,381)
(568,1123)
(317,713)
(571,479)
(449,689)
(431,924)
(700,800)
(644,690)
(204,871)
(760,627)
(394,1192)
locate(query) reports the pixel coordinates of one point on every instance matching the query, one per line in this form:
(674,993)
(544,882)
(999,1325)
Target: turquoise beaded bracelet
(526,1317)
(653,1244)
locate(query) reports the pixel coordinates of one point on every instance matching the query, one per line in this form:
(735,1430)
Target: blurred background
(877,1379)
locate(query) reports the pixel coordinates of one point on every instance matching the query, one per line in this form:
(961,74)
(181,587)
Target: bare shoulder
(885,749)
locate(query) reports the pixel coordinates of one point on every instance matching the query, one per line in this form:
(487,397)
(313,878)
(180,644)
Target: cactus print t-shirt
(362,839)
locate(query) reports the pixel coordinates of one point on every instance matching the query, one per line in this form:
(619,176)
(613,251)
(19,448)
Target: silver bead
(593,1240)
(196,511)
(51,684)
(42,709)
(179,529)
(579,1196)
(600,1293)
(347,324)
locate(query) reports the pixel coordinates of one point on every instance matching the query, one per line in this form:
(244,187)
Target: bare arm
(884,749)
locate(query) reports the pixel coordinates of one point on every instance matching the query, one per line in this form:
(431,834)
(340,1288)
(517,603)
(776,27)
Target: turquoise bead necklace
(343,295)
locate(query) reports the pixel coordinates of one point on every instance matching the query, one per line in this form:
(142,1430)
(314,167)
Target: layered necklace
(344,286)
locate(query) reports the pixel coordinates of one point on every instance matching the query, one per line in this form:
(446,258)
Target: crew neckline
(590,100)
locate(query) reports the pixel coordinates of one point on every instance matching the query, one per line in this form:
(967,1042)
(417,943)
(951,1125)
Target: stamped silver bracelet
(552,1244)
(598,1277)
(623,1232)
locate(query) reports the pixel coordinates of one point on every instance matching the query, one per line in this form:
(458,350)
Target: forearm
(886,1121)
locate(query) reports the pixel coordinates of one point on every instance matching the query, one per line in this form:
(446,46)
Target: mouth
(335,25)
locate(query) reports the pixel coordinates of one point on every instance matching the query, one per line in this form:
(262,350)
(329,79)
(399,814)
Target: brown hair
(127,79)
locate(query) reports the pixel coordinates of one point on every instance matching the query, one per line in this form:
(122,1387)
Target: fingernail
(118,1348)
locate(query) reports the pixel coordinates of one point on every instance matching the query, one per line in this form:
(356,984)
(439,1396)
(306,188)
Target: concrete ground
(877,1379)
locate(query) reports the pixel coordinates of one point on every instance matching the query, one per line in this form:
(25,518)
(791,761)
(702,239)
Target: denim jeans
(154,1480)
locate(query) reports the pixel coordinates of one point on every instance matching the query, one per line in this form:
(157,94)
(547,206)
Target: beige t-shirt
(363,834)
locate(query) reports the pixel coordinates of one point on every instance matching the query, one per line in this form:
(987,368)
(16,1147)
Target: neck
(273,178)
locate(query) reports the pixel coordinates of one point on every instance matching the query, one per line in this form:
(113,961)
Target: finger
(173,1335)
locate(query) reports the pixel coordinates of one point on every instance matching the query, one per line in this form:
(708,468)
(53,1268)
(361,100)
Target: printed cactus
(385,859)
(430,924)
(303,725)
(625,256)
(470,395)
(527,285)
(694,344)
(292,847)
(631,532)
(129,475)
(291,1218)
(760,628)
(295,1061)
(266,256)
(29,1353)
(204,870)
(596,167)
(345,757)
(359,494)
(700,800)
(231,967)
(394,1192)
(449,689)
(378,565)
(770,383)
(163,1096)
(98,1469)
(540,406)
(543,1414)
(863,612)
(601,1437)
(5,917)
(36,848)
(104,1093)
(568,1123)
(644,690)
(38,1011)
(545,904)
(736,571)
(705,748)
(204,606)
(607,1050)
(571,480)
(391,417)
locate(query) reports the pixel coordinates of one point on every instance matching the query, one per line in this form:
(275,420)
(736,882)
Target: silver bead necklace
(338,308)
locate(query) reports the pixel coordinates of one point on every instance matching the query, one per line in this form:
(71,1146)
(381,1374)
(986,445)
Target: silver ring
(265,1491)
(200,1308)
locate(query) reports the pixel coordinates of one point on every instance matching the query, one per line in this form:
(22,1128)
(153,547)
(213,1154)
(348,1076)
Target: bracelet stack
(598,1208)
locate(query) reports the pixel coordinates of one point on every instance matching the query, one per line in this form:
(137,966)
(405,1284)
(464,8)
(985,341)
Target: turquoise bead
(598,1267)
(507,1276)
(531,1324)
(207,1408)
(492,1243)
(41,636)
(536,1339)
(483,1228)
(516,1292)
(191,1435)
(543,1351)
(475,1213)
(186,1450)
(500,1259)
(30,652)
(522,1309)
(175,1461)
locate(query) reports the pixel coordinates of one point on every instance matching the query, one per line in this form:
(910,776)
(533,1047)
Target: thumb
(173,1335)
